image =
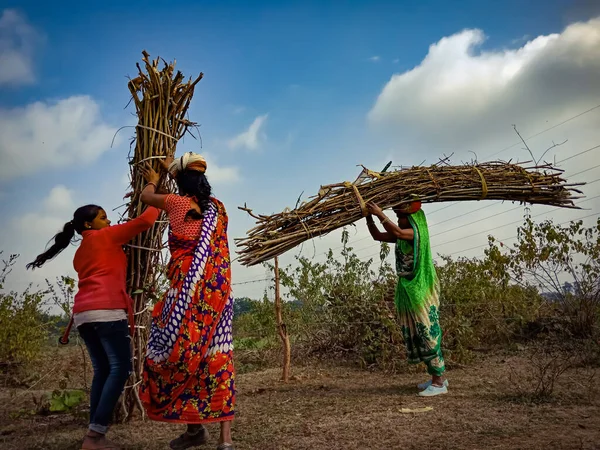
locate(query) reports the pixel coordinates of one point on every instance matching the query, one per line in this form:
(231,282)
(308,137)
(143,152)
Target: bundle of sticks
(338,205)
(161,97)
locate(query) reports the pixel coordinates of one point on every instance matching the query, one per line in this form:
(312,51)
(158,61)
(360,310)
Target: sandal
(187,440)
(225,446)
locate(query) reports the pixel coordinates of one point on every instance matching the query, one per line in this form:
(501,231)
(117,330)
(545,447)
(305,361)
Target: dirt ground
(334,407)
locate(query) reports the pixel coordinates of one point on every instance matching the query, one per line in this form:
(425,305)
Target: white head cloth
(189,160)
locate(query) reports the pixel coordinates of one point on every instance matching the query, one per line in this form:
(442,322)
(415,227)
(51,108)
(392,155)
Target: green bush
(343,307)
(23,330)
(481,307)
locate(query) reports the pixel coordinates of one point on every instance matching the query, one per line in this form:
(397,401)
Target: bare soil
(338,407)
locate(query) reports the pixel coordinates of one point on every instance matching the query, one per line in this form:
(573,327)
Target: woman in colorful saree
(417,291)
(188,370)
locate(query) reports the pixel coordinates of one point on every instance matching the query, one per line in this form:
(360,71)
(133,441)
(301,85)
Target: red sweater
(101,264)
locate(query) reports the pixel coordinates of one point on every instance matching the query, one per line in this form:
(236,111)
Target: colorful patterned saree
(188,370)
(417,298)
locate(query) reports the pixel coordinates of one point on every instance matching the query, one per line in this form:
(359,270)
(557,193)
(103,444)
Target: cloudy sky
(295,95)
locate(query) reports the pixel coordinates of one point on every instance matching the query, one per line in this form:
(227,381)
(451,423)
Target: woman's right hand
(149,174)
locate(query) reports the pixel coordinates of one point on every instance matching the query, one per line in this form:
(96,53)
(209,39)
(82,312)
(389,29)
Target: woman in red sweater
(102,308)
(188,373)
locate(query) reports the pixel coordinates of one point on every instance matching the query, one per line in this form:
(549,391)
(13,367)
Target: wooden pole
(281,328)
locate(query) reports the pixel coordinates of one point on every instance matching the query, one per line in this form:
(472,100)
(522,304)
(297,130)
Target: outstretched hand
(149,173)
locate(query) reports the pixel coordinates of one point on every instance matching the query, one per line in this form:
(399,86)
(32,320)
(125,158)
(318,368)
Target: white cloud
(461,98)
(253,137)
(375,58)
(218,174)
(60,199)
(17,42)
(460,93)
(34,231)
(57,209)
(50,135)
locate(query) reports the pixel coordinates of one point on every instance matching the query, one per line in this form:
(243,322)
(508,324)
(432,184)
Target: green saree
(417,298)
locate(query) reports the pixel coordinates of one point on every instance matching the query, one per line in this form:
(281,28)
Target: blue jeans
(108,344)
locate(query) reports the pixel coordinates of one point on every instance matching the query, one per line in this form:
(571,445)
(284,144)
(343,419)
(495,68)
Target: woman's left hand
(165,163)
(149,174)
(374,209)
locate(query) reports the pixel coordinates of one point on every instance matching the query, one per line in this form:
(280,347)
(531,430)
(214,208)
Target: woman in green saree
(417,291)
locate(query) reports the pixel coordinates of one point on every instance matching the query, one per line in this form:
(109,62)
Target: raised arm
(149,195)
(123,233)
(405,234)
(378,235)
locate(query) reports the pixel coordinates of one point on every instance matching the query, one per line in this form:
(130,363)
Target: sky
(295,95)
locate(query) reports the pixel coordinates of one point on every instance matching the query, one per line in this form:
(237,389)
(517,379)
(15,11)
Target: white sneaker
(425,385)
(433,391)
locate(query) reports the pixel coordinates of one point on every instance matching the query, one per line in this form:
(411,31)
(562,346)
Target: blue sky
(315,78)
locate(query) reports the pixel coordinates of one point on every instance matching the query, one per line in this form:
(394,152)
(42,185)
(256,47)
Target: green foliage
(60,400)
(22,328)
(480,306)
(64,401)
(62,293)
(564,263)
(346,307)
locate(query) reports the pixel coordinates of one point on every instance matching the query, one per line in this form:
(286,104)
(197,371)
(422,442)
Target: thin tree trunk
(285,339)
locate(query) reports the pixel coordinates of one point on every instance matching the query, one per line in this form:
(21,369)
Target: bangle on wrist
(384,220)
(151,183)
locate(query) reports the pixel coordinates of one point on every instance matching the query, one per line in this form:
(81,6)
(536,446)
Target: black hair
(62,240)
(193,183)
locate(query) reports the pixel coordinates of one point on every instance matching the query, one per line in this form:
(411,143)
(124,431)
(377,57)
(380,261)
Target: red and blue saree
(188,370)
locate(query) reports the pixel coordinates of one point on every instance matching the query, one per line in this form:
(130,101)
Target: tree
(563,261)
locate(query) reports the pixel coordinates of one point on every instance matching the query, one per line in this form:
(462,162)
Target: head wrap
(188,161)
(408,208)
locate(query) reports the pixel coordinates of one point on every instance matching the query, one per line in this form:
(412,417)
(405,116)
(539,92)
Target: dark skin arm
(149,195)
(378,235)
(392,233)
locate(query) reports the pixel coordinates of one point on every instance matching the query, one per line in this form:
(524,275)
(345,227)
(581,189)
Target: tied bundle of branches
(161,99)
(341,204)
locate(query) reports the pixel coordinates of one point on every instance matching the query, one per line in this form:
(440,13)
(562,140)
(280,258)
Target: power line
(578,154)
(512,223)
(586,170)
(481,208)
(476,221)
(462,215)
(512,209)
(516,236)
(252,281)
(502,226)
(547,129)
(441,209)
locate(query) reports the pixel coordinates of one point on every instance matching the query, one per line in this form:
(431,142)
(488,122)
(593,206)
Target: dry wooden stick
(340,204)
(161,97)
